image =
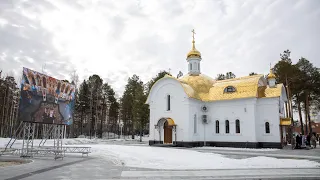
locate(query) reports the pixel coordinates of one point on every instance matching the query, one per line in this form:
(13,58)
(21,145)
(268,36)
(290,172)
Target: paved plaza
(312,154)
(95,167)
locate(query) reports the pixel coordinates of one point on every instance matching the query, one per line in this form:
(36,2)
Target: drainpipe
(175,134)
(154,134)
(204,134)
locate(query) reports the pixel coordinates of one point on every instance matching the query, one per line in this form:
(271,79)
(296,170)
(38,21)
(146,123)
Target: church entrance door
(167,133)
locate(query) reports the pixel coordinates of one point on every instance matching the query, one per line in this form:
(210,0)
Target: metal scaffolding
(28,136)
(27,131)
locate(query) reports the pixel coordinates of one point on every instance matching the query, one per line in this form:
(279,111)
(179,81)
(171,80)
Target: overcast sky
(118,38)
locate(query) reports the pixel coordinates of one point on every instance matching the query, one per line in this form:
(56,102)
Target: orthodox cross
(193,33)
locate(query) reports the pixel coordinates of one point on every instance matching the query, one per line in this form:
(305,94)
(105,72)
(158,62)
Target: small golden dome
(194,52)
(271,75)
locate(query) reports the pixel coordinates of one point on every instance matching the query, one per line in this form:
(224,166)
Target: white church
(196,110)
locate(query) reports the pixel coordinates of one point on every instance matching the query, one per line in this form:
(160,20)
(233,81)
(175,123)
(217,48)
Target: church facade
(196,110)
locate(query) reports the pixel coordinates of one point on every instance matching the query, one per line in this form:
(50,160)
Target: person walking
(313,141)
(298,143)
(308,139)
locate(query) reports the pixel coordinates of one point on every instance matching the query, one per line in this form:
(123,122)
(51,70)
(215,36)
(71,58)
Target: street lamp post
(121,126)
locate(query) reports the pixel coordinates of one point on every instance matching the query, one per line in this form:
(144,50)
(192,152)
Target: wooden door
(167,133)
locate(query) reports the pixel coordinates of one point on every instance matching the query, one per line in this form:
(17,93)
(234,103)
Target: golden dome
(194,52)
(271,75)
(200,83)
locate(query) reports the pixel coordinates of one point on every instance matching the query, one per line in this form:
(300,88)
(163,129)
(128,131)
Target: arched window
(168,103)
(267,126)
(199,66)
(217,127)
(229,89)
(190,67)
(195,65)
(227,127)
(237,126)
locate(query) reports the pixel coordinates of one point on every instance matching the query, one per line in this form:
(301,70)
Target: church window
(190,67)
(237,126)
(229,89)
(199,66)
(227,127)
(195,124)
(267,126)
(168,103)
(217,127)
(195,65)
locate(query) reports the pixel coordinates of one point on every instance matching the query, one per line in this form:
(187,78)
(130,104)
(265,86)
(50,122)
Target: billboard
(45,99)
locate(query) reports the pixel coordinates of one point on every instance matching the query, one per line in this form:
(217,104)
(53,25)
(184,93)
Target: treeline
(99,113)
(9,101)
(302,82)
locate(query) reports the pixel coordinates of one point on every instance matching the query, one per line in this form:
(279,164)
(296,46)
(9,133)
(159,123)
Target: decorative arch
(166,77)
(169,127)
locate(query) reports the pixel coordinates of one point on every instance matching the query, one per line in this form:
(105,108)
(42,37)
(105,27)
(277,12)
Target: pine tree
(95,84)
(113,108)
(83,105)
(160,75)
(132,105)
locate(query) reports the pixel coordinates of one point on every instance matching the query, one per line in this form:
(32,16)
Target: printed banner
(45,99)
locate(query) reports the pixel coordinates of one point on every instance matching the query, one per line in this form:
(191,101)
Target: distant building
(314,125)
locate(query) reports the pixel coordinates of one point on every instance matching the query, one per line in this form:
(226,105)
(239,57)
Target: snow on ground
(74,141)
(170,158)
(235,149)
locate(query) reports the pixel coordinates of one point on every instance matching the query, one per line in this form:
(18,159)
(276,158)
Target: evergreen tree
(113,108)
(220,77)
(228,75)
(83,104)
(95,84)
(133,108)
(160,75)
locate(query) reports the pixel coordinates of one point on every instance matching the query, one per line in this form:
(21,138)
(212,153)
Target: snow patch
(167,158)
(235,149)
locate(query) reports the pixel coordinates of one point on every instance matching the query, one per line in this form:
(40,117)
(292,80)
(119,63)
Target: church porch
(166,130)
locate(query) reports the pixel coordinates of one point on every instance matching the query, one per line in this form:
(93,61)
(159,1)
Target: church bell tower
(193,59)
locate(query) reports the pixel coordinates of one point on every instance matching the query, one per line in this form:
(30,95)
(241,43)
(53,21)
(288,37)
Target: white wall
(158,108)
(268,111)
(243,109)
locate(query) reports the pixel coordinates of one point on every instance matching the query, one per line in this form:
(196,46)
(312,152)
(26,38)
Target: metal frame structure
(28,136)
(47,132)
(58,134)
(27,130)
(65,149)
(16,135)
